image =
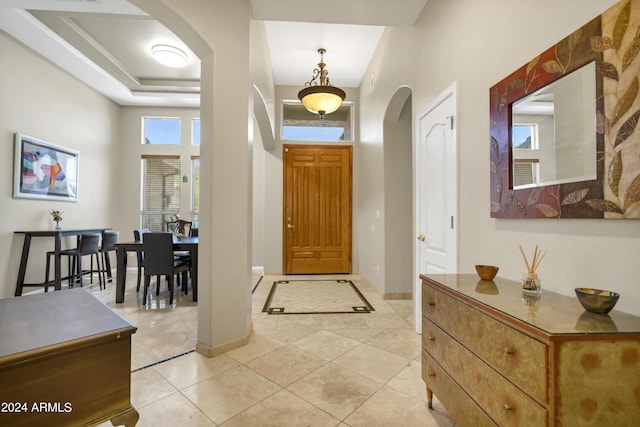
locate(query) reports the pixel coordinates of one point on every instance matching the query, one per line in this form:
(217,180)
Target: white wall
(42,101)
(478,44)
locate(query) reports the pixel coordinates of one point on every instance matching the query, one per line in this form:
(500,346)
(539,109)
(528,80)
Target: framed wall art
(44,171)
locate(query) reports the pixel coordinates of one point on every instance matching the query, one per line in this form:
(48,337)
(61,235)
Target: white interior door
(436,197)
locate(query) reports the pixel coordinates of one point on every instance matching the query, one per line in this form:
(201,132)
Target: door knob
(421,237)
(290,226)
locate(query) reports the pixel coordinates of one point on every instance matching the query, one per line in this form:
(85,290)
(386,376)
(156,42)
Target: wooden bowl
(597,300)
(487,272)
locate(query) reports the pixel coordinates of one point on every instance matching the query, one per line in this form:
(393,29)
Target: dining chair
(109,240)
(160,261)
(137,235)
(180,226)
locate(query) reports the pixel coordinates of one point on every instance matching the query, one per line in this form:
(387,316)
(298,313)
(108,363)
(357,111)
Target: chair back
(193,232)
(179,226)
(89,244)
(137,234)
(109,240)
(158,253)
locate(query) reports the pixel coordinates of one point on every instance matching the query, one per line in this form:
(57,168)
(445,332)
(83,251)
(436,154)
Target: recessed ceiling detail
(107,43)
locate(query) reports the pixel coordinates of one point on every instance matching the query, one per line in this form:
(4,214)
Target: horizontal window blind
(161,179)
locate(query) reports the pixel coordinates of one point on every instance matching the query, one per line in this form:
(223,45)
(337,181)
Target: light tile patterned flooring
(360,369)
(314,296)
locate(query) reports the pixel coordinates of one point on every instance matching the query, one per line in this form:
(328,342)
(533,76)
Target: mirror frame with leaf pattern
(612,40)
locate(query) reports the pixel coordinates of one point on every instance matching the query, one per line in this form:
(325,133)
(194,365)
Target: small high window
(161,130)
(195,132)
(298,124)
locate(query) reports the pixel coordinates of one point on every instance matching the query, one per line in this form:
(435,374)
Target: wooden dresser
(495,357)
(65,360)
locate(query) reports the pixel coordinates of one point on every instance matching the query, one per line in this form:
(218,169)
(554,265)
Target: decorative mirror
(563,139)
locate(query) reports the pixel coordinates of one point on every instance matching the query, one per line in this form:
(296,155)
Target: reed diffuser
(530,281)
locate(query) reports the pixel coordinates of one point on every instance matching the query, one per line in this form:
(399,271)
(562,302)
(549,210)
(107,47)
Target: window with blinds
(161,179)
(195,189)
(525,172)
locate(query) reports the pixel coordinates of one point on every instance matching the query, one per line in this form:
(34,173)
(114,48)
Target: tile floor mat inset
(315,297)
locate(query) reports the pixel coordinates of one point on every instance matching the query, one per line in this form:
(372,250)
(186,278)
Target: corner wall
(478,44)
(43,101)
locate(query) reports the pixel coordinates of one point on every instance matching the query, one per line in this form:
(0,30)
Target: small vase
(531,284)
(57,227)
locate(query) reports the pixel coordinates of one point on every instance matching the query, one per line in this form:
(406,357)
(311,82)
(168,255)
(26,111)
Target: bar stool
(109,240)
(89,245)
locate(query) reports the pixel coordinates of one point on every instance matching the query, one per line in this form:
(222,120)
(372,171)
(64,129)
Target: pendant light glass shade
(321,99)
(319,96)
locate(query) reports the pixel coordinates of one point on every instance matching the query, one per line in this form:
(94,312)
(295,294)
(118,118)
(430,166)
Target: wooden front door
(317,209)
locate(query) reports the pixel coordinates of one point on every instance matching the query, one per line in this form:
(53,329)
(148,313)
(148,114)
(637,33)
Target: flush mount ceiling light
(169,55)
(319,96)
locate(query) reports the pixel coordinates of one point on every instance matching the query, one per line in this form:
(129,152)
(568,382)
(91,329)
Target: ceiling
(107,43)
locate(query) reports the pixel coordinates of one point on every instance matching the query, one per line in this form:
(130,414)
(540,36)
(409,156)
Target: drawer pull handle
(431,303)
(430,338)
(507,407)
(431,374)
(508,352)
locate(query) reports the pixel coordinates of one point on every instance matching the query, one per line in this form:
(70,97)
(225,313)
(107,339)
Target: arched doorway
(398,205)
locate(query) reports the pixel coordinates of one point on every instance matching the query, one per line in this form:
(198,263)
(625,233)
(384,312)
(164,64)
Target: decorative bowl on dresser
(498,360)
(597,300)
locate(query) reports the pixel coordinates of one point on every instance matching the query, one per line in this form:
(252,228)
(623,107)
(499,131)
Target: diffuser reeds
(535,262)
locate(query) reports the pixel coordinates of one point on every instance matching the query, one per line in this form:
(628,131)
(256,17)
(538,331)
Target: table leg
(23,264)
(194,273)
(121,273)
(429,398)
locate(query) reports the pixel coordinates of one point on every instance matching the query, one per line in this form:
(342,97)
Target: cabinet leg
(429,398)
(129,418)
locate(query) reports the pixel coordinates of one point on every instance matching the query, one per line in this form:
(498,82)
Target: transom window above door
(298,124)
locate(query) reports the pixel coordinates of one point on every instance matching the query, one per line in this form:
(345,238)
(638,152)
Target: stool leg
(79,266)
(46,273)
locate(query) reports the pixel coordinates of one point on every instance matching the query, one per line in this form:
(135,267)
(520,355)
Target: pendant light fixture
(319,96)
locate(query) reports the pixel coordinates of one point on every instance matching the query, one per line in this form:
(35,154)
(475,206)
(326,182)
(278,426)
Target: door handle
(290,226)
(421,237)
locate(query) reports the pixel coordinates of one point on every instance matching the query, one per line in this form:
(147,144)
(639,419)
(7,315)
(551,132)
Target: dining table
(189,244)
(57,235)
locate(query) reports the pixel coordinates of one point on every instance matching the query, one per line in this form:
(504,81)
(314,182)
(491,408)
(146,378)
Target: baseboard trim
(223,348)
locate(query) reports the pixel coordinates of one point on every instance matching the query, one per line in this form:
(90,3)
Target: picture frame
(43,170)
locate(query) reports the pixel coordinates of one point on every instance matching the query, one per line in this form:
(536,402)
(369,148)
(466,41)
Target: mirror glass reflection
(553,132)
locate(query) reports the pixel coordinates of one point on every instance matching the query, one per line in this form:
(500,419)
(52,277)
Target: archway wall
(389,75)
(218,31)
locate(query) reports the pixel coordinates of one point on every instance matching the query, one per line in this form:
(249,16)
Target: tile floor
(359,369)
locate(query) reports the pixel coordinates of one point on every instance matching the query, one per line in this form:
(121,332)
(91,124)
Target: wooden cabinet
(65,359)
(494,356)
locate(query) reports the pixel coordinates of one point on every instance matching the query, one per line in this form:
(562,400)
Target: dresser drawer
(504,402)
(517,356)
(458,404)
